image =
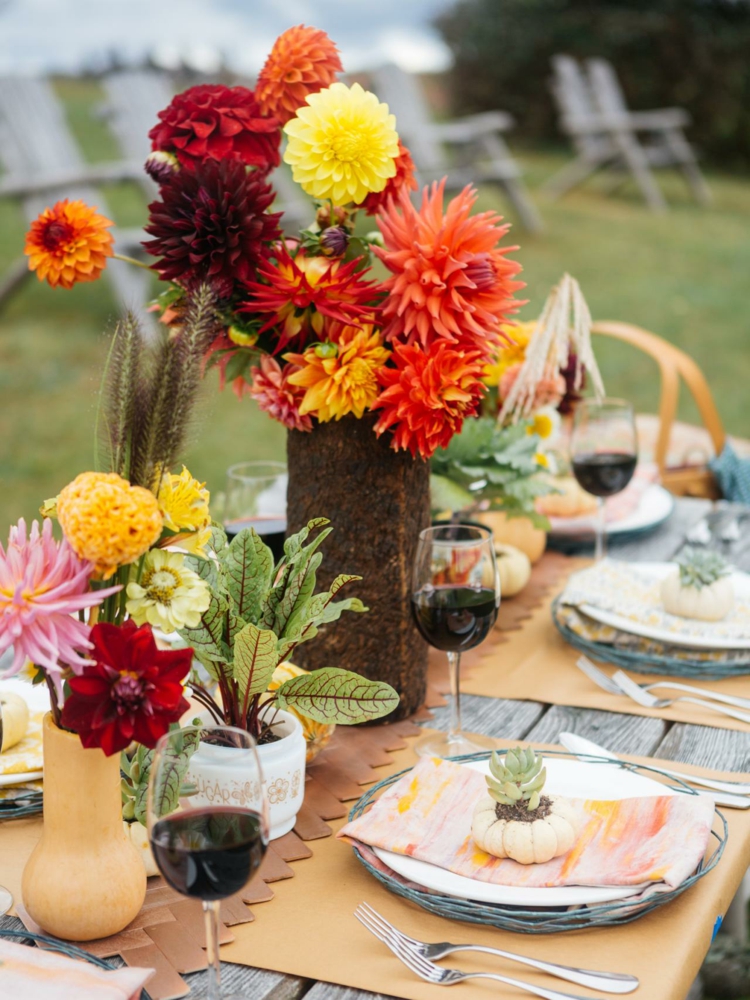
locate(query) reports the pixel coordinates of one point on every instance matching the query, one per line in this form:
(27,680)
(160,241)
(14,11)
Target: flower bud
(326,350)
(334,241)
(160,165)
(242,338)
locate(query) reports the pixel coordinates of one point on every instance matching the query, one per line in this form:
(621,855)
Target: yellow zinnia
(509,354)
(342,144)
(345,382)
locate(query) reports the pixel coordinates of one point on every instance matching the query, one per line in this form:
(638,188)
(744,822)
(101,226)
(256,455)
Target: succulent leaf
(700,568)
(520,777)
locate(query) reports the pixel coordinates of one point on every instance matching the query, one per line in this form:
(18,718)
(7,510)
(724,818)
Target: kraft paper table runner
(536,664)
(333,947)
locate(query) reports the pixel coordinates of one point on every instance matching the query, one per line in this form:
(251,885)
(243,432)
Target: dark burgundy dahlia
(213,122)
(212,225)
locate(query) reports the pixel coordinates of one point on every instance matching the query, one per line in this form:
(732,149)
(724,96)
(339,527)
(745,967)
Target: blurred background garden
(682,273)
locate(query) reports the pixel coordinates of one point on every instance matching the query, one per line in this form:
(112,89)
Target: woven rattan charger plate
(543,920)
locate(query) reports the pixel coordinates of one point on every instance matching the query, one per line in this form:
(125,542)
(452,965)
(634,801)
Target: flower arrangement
(122,559)
(306,328)
(259,613)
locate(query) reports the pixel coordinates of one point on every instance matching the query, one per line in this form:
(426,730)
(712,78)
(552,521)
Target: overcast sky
(45,35)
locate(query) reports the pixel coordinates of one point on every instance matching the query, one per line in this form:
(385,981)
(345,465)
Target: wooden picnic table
(540,723)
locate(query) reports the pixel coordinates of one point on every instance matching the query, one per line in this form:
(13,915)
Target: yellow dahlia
(169,595)
(184,502)
(68,243)
(107,521)
(509,354)
(342,144)
(340,377)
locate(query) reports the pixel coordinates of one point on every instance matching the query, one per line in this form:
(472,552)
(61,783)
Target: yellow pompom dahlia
(107,521)
(342,144)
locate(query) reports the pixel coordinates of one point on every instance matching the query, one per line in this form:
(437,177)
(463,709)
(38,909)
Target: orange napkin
(427,815)
(47,975)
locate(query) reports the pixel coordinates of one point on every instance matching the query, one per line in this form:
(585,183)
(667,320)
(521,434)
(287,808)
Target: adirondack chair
(134,97)
(605,134)
(42,161)
(466,150)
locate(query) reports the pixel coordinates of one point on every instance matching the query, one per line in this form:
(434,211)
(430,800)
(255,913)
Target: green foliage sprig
(700,568)
(136,770)
(489,462)
(259,613)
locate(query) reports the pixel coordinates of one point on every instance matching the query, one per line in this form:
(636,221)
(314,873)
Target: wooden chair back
(674,365)
(403,94)
(576,105)
(605,87)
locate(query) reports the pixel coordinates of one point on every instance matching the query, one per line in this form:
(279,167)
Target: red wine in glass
(604,473)
(271,529)
(454,618)
(211,853)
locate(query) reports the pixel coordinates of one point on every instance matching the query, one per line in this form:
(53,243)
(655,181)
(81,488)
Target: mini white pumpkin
(514,568)
(698,587)
(515,786)
(15,718)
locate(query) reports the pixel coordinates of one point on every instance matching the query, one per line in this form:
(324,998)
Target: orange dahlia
(450,277)
(276,394)
(403,180)
(302,61)
(427,395)
(68,243)
(299,292)
(340,377)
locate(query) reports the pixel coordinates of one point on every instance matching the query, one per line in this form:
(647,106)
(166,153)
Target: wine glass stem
(454,730)
(211,911)
(601,534)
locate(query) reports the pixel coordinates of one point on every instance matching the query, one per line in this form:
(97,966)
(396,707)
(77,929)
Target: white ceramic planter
(220,781)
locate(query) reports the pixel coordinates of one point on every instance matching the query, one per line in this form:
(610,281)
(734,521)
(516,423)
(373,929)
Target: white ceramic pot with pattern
(220,781)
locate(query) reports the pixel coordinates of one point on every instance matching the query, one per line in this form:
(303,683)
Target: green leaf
(170,775)
(248,564)
(445,494)
(255,659)
(293,544)
(339,696)
(296,586)
(206,638)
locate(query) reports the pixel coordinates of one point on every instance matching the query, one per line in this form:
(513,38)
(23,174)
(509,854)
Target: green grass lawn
(682,275)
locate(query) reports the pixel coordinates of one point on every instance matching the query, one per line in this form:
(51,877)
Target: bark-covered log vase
(378,502)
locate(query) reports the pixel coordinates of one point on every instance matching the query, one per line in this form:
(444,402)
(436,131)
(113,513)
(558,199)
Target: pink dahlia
(274,393)
(43,584)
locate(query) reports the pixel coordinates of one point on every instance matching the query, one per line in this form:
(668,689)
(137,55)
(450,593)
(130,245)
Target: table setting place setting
(238,724)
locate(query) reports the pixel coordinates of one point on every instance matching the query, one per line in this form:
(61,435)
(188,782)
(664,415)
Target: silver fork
(448,977)
(609,982)
(637,693)
(607,683)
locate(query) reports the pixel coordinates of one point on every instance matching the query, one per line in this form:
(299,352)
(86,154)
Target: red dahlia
(212,225)
(213,122)
(132,691)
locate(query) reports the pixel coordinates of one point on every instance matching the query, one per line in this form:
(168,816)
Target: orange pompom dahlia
(68,243)
(340,377)
(300,292)
(427,395)
(450,278)
(302,61)
(403,180)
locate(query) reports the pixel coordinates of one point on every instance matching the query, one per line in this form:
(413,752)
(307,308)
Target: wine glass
(604,452)
(455,600)
(256,498)
(205,848)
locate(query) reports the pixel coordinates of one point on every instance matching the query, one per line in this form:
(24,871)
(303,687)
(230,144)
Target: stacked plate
(23,762)
(654,507)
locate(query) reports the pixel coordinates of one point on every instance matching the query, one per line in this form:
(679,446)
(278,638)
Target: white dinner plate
(573,778)
(741,584)
(37,698)
(654,507)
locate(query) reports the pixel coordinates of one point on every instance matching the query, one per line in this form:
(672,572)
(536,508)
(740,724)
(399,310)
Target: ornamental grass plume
(107,521)
(275,394)
(427,395)
(123,397)
(340,377)
(43,586)
(342,144)
(302,61)
(131,690)
(299,293)
(214,122)
(450,278)
(68,244)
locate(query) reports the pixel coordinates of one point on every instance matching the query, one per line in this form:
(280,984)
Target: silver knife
(732,794)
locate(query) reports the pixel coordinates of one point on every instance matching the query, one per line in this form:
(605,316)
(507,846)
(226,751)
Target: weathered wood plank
(328,991)
(723,749)
(619,733)
(256,983)
(491,716)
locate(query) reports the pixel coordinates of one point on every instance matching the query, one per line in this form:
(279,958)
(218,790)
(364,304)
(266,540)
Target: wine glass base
(443,745)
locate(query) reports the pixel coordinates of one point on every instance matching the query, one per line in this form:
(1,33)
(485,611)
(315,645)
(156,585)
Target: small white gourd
(15,718)
(698,587)
(514,568)
(515,787)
